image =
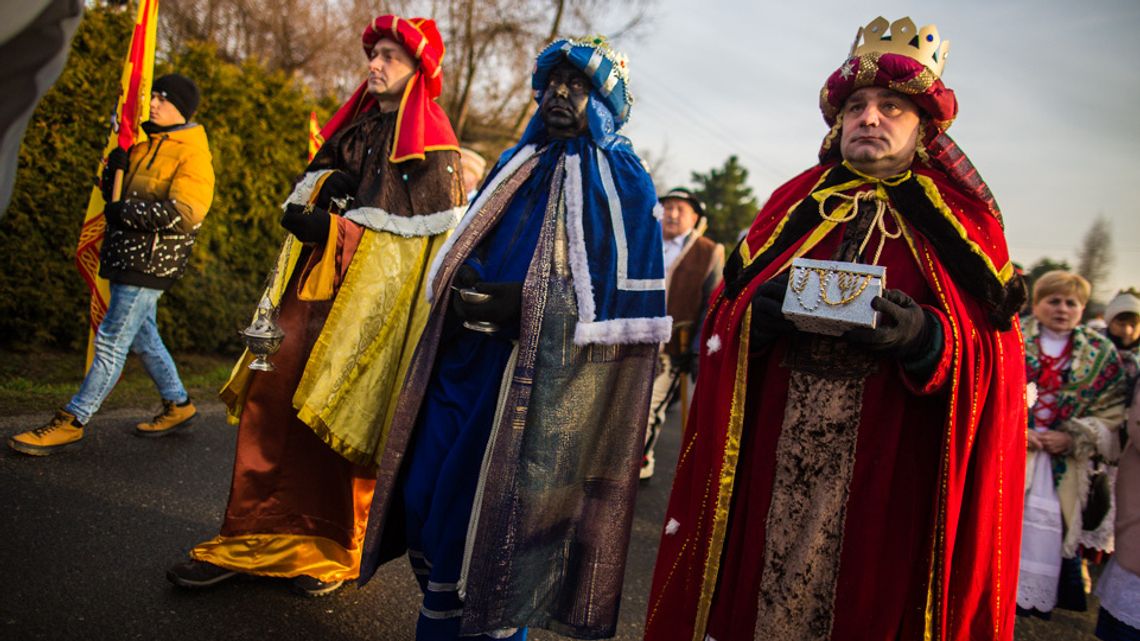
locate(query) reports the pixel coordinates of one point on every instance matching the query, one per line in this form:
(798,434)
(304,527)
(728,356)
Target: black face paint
(563,107)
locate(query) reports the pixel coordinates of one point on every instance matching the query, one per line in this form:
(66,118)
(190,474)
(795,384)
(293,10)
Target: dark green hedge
(256,122)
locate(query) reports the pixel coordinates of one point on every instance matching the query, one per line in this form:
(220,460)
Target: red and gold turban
(918,82)
(421,124)
(892,71)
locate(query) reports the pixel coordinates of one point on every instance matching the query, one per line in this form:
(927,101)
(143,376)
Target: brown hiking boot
(61,432)
(173,417)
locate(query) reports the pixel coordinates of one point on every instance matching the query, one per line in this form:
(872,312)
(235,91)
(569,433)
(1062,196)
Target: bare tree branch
(1094,258)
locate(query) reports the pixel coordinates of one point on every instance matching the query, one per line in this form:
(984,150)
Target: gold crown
(923,45)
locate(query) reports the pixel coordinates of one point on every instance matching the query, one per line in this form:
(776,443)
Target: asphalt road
(87,536)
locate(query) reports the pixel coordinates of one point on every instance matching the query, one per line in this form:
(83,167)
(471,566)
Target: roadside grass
(39,382)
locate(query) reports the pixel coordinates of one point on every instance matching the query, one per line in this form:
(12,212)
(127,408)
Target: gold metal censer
(263,337)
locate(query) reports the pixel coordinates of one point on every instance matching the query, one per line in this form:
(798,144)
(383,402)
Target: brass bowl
(483,327)
(473,297)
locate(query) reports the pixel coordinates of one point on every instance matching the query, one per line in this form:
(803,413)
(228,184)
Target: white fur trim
(303,190)
(377,219)
(511,167)
(624,331)
(617,219)
(713,344)
(658,211)
(1107,441)
(576,239)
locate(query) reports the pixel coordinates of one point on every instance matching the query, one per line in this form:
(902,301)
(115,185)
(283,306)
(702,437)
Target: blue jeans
(128,326)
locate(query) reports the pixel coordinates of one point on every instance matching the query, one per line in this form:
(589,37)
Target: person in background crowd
(474,167)
(168,185)
(693,266)
(1118,587)
(1123,317)
(1076,386)
(1122,326)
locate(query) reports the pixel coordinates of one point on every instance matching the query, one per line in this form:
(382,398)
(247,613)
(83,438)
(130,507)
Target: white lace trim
(377,219)
(1103,537)
(303,191)
(1040,540)
(1119,593)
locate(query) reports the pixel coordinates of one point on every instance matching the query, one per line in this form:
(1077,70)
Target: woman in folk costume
(352,308)
(867,486)
(1078,392)
(511,469)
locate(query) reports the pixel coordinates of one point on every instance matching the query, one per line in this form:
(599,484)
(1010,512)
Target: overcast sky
(1048,93)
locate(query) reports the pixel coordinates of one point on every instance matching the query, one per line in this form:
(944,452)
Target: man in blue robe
(510,471)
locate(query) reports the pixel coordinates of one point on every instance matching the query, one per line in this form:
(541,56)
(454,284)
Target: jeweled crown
(901,37)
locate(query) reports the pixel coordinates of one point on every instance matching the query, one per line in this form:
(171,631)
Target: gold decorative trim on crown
(902,38)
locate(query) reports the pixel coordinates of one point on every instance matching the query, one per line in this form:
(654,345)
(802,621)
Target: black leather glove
(113,213)
(685,363)
(116,160)
(309,227)
(768,320)
(504,308)
(904,330)
(337,185)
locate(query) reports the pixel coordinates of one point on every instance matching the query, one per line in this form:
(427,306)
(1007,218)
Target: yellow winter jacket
(167,192)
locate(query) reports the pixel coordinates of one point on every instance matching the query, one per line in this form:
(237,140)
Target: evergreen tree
(1040,268)
(728,200)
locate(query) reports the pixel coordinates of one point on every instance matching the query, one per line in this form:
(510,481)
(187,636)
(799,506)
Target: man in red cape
(866,486)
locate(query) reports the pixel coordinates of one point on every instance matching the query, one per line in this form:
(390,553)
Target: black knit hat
(179,91)
(683,193)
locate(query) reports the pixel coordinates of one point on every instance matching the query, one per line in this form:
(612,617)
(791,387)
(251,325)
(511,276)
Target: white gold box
(830,297)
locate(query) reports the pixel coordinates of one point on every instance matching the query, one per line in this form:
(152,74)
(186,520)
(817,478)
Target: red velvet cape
(971,589)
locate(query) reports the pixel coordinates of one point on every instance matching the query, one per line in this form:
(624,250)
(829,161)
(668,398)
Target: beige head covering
(1123,303)
(473,163)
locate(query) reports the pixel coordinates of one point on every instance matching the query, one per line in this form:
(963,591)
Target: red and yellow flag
(315,138)
(132,109)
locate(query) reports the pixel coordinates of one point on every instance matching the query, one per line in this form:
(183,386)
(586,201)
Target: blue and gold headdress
(607,69)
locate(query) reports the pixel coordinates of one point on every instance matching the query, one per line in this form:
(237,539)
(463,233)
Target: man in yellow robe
(352,309)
